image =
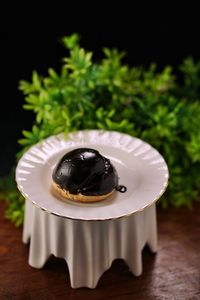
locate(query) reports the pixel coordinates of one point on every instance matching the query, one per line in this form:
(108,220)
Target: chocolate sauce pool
(86,171)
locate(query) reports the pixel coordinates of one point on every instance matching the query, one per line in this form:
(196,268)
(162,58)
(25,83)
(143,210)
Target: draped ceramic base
(89,247)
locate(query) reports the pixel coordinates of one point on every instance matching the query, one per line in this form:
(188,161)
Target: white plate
(140,167)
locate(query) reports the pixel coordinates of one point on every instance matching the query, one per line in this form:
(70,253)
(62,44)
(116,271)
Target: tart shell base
(62,194)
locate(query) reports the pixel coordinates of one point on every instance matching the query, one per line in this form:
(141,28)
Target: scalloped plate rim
(37,154)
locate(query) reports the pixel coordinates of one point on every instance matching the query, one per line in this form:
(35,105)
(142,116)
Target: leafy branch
(110,95)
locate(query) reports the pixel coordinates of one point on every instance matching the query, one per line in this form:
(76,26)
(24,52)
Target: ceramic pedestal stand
(89,236)
(89,247)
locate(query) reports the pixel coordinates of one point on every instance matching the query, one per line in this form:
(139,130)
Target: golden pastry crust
(66,195)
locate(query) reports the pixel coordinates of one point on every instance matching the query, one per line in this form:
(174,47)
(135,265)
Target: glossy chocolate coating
(85,171)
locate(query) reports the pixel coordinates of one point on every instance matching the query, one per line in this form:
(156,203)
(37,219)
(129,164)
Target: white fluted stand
(89,247)
(89,236)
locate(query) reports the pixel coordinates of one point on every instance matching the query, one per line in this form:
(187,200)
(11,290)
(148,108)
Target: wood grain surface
(172,273)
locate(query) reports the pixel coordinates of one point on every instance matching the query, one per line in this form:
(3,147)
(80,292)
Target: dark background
(29,41)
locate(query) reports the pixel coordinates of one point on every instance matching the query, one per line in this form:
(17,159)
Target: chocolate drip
(85,171)
(121,188)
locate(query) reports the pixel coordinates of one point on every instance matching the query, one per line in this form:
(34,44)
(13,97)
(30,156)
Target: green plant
(109,95)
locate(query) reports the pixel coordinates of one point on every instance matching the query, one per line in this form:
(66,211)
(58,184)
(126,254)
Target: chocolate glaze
(85,171)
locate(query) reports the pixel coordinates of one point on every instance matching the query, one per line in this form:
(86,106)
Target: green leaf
(71,41)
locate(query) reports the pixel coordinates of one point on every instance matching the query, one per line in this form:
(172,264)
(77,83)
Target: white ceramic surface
(141,169)
(89,247)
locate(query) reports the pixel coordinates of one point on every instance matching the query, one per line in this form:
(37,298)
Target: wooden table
(173,273)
